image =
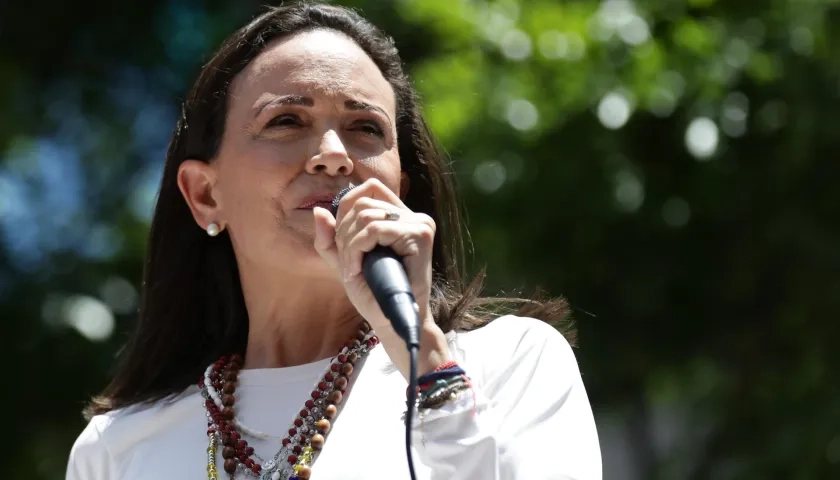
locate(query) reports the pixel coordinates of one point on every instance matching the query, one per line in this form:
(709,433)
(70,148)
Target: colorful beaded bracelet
(442,385)
(441,396)
(430,389)
(430,378)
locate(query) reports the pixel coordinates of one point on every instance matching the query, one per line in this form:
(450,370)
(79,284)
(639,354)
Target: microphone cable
(388,281)
(410,401)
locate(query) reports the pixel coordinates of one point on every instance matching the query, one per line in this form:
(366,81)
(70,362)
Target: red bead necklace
(307,433)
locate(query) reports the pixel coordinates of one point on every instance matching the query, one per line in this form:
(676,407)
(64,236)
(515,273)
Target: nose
(331,156)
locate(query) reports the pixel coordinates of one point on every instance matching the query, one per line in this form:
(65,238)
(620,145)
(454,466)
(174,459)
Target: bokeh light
(614,110)
(89,316)
(489,176)
(701,138)
(522,114)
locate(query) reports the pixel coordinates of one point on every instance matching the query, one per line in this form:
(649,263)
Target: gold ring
(392,216)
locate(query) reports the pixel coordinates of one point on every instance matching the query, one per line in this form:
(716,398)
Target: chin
(303,236)
(301,260)
(303,246)
(299,240)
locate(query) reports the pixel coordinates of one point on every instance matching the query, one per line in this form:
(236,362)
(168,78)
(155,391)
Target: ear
(196,180)
(405,182)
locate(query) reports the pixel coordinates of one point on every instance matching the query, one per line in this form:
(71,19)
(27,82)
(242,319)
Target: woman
(260,352)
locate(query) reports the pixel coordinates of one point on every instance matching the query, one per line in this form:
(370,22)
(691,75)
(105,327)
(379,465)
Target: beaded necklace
(307,433)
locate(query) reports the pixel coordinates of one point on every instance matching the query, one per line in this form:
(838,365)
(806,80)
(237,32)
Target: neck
(294,322)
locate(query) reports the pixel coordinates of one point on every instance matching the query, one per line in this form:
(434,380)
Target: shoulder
(109,439)
(89,457)
(513,343)
(511,335)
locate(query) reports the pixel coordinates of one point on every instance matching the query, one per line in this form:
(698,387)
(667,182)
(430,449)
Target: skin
(311,115)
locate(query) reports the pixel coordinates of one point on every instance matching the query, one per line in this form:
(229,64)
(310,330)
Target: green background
(669,166)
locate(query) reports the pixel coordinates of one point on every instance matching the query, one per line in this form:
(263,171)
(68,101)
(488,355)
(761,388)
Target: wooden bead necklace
(307,433)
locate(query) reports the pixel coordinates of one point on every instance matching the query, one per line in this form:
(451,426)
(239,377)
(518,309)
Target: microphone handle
(385,275)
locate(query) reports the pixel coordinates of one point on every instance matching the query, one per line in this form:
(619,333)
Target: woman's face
(310,115)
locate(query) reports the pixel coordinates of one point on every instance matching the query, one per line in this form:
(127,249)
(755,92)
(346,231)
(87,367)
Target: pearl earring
(213,229)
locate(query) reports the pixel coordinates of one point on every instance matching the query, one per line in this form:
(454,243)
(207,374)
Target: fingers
(362,222)
(407,237)
(371,189)
(362,212)
(325,236)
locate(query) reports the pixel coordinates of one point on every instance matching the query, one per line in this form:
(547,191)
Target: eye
(284,120)
(370,127)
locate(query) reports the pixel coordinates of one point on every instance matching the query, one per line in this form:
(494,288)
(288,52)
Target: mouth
(323,200)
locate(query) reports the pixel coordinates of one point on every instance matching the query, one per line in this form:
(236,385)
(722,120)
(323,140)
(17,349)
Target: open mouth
(323,200)
(319,203)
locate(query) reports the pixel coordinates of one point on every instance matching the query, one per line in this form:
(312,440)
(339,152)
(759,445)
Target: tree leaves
(667,166)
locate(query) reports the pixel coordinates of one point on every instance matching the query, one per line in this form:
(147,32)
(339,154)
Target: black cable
(388,281)
(409,412)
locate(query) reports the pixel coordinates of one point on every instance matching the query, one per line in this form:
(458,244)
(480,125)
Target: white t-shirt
(533,419)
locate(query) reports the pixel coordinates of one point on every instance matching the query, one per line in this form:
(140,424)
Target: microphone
(385,275)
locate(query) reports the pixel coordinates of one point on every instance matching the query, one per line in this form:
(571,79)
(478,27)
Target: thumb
(325,235)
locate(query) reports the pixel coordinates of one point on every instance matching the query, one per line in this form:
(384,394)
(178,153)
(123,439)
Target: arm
(89,457)
(533,420)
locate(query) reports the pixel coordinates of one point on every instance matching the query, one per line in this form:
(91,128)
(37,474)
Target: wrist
(434,349)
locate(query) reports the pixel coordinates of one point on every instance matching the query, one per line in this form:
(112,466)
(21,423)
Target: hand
(360,225)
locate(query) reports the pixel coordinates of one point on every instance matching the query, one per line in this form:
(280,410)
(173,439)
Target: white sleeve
(89,457)
(533,420)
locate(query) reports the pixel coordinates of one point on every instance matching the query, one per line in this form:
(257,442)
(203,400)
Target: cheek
(395,172)
(276,157)
(260,167)
(386,168)
(250,195)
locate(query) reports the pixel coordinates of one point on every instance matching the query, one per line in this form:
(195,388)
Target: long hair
(192,309)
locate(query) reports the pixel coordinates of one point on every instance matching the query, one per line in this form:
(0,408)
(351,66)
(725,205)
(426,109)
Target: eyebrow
(300,100)
(357,105)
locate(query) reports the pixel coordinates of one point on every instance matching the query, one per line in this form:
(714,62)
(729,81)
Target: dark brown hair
(192,308)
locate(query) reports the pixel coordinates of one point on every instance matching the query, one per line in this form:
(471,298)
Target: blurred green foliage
(666,165)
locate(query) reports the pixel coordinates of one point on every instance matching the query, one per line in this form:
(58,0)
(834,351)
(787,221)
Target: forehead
(314,63)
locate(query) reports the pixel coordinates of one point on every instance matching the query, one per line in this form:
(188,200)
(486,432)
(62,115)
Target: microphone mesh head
(338,198)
